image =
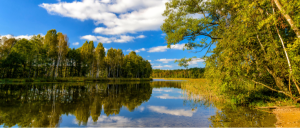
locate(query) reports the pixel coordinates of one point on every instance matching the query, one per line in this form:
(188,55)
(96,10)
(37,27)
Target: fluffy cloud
(166,96)
(141,36)
(76,43)
(105,121)
(176,112)
(166,60)
(138,50)
(17,37)
(164,48)
(193,62)
(159,66)
(124,39)
(128,50)
(120,39)
(164,66)
(118,16)
(162,90)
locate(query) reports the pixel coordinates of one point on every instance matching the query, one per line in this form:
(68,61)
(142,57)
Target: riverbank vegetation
(179,73)
(253,46)
(71,79)
(249,96)
(50,57)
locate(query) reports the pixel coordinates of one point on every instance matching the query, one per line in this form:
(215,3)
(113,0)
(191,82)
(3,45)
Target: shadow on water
(43,105)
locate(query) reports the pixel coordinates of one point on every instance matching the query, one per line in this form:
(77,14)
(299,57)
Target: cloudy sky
(131,25)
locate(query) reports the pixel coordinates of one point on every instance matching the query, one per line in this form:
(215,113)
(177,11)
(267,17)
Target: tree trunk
(287,17)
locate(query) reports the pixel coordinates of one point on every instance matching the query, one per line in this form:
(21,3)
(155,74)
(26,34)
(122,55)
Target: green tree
(255,41)
(50,43)
(99,57)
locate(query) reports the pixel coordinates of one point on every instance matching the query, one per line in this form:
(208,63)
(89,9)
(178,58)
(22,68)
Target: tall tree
(50,43)
(99,57)
(255,41)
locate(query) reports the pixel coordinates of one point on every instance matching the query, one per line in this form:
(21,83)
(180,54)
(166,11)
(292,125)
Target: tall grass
(245,94)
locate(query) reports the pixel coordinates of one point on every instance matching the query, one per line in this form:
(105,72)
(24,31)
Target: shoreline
(69,79)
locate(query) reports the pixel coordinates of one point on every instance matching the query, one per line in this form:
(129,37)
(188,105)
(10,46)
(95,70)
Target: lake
(159,103)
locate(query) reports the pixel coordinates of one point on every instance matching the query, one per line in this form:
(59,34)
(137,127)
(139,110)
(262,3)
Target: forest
(179,73)
(51,57)
(247,43)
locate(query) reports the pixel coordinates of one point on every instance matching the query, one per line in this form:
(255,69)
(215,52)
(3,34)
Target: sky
(130,25)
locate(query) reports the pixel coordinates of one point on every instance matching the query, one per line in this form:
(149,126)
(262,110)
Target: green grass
(72,79)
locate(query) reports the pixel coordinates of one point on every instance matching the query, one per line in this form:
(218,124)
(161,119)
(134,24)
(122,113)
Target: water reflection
(41,105)
(176,112)
(242,117)
(154,104)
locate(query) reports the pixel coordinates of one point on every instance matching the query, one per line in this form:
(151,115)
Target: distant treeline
(179,73)
(51,57)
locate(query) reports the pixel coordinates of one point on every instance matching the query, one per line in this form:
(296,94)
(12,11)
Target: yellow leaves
(271,20)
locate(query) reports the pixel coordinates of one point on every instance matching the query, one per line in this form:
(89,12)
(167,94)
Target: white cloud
(138,50)
(111,121)
(118,16)
(141,108)
(120,39)
(195,61)
(141,36)
(76,43)
(164,48)
(148,56)
(159,66)
(164,66)
(124,39)
(149,60)
(89,37)
(166,96)
(128,50)
(168,66)
(176,112)
(18,37)
(162,90)
(166,60)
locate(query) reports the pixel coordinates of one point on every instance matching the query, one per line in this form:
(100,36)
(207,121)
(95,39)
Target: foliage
(50,57)
(179,73)
(256,42)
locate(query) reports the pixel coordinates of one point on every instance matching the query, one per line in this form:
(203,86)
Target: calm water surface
(157,103)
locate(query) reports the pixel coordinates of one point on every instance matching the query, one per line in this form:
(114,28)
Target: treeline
(179,73)
(51,57)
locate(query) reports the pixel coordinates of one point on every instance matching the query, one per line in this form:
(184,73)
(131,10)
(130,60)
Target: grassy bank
(249,95)
(73,79)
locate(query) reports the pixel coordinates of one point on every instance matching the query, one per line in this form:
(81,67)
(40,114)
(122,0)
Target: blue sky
(125,24)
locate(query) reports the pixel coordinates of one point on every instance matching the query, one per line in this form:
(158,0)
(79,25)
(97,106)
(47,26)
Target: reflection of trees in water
(162,84)
(40,105)
(242,117)
(227,115)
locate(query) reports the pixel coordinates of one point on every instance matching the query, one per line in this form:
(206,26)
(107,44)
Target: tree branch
(288,18)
